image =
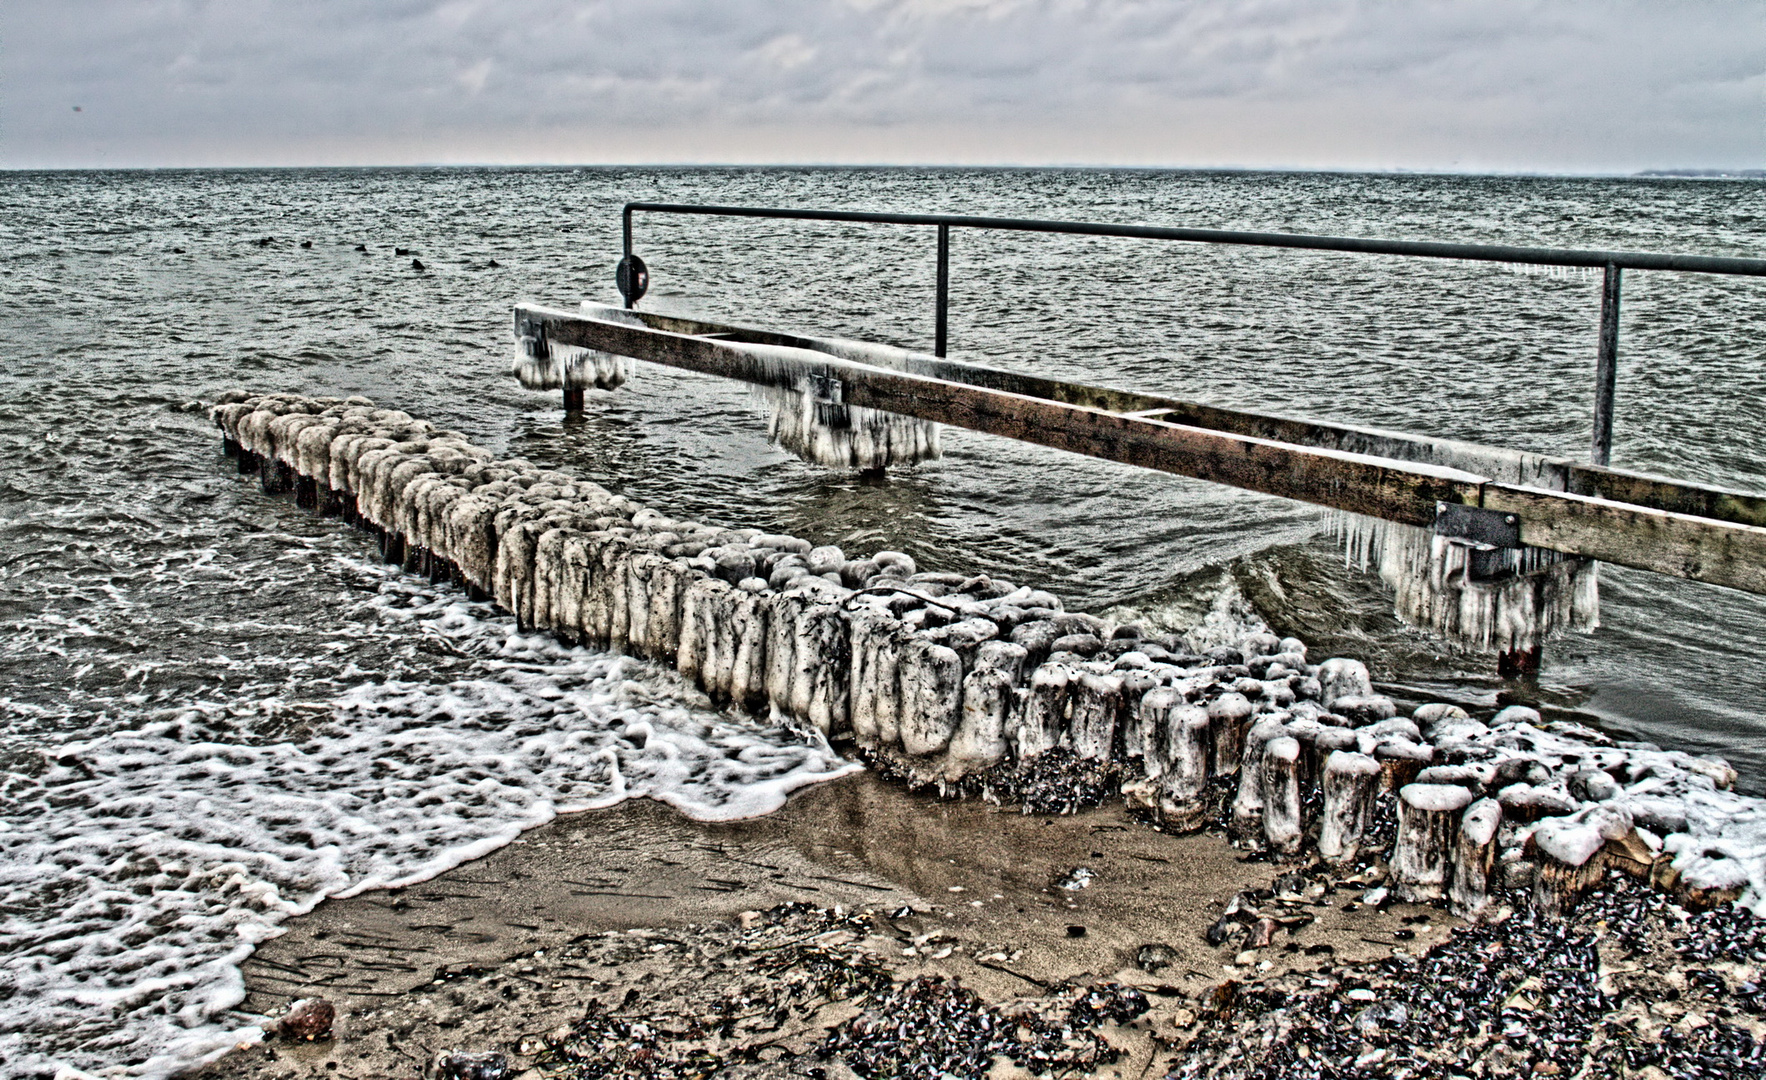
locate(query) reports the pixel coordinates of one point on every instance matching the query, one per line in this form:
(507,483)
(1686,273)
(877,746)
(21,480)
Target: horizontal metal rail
(1114,425)
(1427,249)
(1611,263)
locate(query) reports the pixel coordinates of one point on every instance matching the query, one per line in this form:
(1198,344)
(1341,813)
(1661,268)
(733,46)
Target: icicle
(546,365)
(1527,595)
(845,436)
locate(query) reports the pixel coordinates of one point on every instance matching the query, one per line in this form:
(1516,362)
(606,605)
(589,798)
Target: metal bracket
(1490,538)
(1476,525)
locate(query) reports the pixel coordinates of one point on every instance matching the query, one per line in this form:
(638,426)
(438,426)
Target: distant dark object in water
(177,251)
(361,247)
(417,264)
(493,264)
(1076,931)
(265,241)
(306,243)
(401,251)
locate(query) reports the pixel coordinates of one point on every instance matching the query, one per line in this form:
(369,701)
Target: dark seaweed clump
(1629,981)
(934,1027)
(1056,781)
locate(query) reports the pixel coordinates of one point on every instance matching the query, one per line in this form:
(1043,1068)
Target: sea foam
(147,863)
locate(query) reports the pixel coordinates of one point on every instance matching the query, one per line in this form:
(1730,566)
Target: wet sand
(961,890)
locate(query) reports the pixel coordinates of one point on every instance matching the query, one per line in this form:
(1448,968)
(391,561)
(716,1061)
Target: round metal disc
(633,278)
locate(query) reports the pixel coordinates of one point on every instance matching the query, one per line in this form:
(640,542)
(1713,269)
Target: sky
(1455,85)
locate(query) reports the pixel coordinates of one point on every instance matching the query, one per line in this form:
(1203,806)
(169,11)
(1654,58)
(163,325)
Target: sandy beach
(997,900)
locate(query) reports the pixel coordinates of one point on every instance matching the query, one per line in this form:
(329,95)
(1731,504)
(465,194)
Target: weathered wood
(1097,706)
(1281,794)
(1350,783)
(1722,553)
(1230,715)
(1474,860)
(1428,832)
(1247,810)
(1355,482)
(991,706)
(1500,464)
(1184,783)
(1398,482)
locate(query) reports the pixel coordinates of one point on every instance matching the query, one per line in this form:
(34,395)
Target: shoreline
(977,887)
(868,930)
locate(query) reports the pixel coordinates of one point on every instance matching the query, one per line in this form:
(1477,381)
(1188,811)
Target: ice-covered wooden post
(1046,709)
(1228,716)
(1185,780)
(1248,802)
(1474,856)
(1097,704)
(1428,824)
(990,708)
(1350,782)
(1281,794)
(1571,853)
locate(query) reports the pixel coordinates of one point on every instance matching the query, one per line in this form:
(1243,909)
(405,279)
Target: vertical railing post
(943,321)
(1606,367)
(630,301)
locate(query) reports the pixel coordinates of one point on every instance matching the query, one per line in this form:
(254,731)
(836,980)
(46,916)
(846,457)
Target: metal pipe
(1702,264)
(943,289)
(1606,367)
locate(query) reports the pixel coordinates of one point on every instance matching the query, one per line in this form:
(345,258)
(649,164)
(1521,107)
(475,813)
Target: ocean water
(219,709)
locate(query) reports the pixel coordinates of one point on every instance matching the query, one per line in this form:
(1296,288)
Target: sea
(217,709)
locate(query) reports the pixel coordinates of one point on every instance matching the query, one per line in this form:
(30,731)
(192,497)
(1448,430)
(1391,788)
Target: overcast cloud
(1492,84)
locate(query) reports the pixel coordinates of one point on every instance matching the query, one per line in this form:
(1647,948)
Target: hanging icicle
(841,436)
(1492,600)
(546,365)
(543,365)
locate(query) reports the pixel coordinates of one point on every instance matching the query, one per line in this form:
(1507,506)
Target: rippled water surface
(218,708)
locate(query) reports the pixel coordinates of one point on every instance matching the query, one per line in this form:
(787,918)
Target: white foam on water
(144,865)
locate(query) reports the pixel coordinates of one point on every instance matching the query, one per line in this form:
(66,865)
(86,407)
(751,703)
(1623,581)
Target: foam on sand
(159,856)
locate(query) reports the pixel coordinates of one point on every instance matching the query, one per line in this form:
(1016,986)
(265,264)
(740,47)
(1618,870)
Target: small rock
(308,1020)
(456,1066)
(1151,958)
(1080,877)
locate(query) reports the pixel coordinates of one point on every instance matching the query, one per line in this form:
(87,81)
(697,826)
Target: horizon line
(1656,172)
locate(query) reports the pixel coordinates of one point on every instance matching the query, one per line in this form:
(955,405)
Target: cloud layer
(1495,84)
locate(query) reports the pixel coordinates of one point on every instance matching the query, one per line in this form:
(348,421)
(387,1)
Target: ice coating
(874,648)
(1435,798)
(170,849)
(846,436)
(1546,594)
(981,686)
(547,365)
(806,413)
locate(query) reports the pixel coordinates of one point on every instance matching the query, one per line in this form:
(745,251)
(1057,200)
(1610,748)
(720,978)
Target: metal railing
(633,276)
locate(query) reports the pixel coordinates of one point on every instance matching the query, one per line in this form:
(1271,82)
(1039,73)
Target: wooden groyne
(984,686)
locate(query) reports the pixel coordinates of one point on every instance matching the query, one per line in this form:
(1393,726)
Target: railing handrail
(1611,263)
(1428,249)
